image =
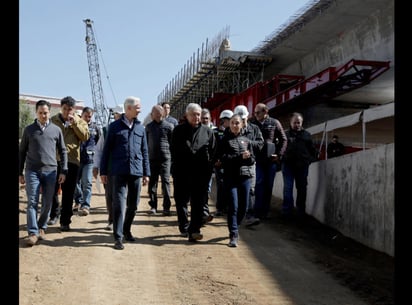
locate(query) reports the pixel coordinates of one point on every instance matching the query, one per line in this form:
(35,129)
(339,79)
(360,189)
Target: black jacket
(159,137)
(193,150)
(300,150)
(230,154)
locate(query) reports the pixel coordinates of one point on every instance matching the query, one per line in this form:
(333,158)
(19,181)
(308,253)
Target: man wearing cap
(253,133)
(117,113)
(206,120)
(224,122)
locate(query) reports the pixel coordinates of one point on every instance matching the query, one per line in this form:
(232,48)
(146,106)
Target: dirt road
(275,263)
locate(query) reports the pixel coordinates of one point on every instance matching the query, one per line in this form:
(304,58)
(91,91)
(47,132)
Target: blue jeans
(126,197)
(47,181)
(83,193)
(265,177)
(238,191)
(299,175)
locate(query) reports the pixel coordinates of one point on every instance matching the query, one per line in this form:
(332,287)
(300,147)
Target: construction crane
(101,110)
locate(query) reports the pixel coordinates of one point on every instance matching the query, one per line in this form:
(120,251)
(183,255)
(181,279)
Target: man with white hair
(126,153)
(193,150)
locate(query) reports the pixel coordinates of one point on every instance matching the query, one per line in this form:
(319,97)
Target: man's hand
(145,180)
(103,179)
(95,172)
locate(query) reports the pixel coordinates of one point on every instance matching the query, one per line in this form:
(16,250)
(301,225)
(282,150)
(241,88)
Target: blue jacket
(87,148)
(125,149)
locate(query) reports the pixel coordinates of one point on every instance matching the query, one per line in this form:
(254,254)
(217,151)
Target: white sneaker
(84,212)
(32,240)
(152,211)
(109,227)
(233,242)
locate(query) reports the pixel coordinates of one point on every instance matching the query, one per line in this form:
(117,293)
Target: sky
(142,45)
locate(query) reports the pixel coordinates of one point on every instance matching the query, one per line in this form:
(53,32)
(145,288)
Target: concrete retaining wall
(354,194)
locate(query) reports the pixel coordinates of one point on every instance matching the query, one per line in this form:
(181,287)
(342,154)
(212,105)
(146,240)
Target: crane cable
(105,70)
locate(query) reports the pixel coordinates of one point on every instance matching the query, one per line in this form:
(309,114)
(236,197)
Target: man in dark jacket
(267,159)
(193,149)
(159,137)
(125,149)
(335,148)
(299,154)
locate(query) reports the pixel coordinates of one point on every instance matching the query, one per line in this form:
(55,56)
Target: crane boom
(100,108)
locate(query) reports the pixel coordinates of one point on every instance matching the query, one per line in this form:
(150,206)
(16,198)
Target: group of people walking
(66,150)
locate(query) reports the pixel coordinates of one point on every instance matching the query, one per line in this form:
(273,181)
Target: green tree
(25,116)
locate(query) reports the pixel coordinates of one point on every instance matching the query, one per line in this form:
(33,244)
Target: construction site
(333,61)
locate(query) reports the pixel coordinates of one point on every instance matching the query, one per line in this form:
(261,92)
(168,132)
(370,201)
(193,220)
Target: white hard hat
(226,114)
(242,111)
(118,109)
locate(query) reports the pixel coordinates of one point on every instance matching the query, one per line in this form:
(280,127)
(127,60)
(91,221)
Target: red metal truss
(332,81)
(282,89)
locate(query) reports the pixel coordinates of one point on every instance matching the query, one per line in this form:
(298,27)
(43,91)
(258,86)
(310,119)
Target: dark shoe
(118,245)
(109,226)
(195,237)
(53,220)
(218,213)
(252,221)
(302,217)
(129,237)
(166,213)
(207,219)
(64,228)
(184,234)
(286,216)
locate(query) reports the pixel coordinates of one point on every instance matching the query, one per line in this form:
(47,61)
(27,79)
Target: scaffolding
(214,69)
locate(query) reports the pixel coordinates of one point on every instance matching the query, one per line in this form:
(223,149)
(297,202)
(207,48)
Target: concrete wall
(371,39)
(354,194)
